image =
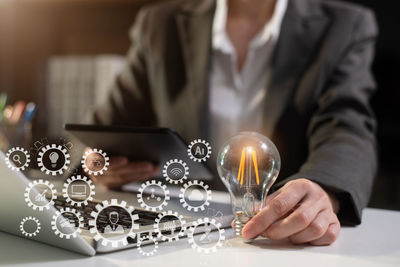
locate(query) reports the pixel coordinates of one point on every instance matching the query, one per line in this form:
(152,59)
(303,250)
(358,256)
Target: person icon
(113,227)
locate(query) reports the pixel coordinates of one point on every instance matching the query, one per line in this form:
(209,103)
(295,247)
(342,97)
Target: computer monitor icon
(78,190)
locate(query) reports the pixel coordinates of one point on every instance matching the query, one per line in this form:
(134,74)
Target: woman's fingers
(330,235)
(301,211)
(315,229)
(121,172)
(133,168)
(117,161)
(298,220)
(283,202)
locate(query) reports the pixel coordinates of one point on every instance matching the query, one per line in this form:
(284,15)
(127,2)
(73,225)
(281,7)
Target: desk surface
(374,243)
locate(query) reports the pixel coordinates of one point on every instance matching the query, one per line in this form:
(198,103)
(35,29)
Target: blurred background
(63,54)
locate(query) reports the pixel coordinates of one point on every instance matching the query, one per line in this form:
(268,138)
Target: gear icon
(147,238)
(74,179)
(199,150)
(95,170)
(16,158)
(176,168)
(171,227)
(212,248)
(147,184)
(64,222)
(190,207)
(54,158)
(114,241)
(40,197)
(22,224)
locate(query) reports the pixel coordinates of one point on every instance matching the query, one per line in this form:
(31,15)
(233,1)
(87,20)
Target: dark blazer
(317,108)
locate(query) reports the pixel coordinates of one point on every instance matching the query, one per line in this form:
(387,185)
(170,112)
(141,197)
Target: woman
(297,71)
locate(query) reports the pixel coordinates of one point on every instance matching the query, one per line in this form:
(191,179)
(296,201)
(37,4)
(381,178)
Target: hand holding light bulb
(301,210)
(248,164)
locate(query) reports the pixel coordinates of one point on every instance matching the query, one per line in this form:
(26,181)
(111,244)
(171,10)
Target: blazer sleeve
(129,99)
(342,154)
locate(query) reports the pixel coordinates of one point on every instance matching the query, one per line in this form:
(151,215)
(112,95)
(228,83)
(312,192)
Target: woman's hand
(301,211)
(121,172)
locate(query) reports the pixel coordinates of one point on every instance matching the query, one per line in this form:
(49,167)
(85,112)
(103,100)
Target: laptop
(15,210)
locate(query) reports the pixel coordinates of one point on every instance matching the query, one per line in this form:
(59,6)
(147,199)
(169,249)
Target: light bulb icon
(248,164)
(53,159)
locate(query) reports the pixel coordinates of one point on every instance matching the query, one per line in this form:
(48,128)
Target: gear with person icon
(121,221)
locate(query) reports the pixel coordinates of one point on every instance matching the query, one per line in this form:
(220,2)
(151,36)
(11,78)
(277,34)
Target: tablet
(157,145)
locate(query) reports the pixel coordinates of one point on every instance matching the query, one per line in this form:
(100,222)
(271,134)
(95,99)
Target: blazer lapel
(194,26)
(298,41)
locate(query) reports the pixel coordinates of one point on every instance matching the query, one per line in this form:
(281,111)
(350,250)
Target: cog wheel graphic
(190,207)
(29,234)
(16,158)
(74,179)
(143,187)
(98,152)
(56,229)
(50,188)
(181,171)
(147,238)
(175,237)
(212,248)
(114,241)
(62,151)
(203,147)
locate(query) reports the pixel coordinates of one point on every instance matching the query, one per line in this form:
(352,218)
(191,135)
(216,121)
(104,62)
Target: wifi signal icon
(176,171)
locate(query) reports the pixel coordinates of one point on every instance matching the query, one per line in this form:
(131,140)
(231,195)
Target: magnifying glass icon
(17,158)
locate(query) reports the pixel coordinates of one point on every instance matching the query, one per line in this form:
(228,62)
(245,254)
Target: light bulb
(53,158)
(248,164)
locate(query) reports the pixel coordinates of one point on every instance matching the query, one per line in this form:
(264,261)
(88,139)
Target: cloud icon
(196,195)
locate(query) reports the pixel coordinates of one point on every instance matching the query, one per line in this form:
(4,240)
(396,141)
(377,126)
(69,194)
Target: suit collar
(194,23)
(302,8)
(302,27)
(197,7)
(306,9)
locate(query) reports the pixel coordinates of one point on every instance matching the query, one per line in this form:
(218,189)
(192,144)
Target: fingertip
(124,160)
(248,231)
(156,168)
(147,166)
(119,160)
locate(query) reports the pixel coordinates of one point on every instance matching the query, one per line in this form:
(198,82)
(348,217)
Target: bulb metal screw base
(240,222)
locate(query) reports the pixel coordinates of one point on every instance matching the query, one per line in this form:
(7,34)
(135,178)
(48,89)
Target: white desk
(374,243)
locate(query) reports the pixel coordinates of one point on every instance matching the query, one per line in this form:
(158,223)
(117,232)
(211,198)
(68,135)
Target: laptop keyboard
(145,217)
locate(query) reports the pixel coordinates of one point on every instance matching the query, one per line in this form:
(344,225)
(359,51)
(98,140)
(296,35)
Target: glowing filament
(242,165)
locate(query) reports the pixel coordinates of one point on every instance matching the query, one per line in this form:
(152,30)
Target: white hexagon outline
(97,151)
(78,178)
(59,148)
(55,227)
(34,183)
(187,205)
